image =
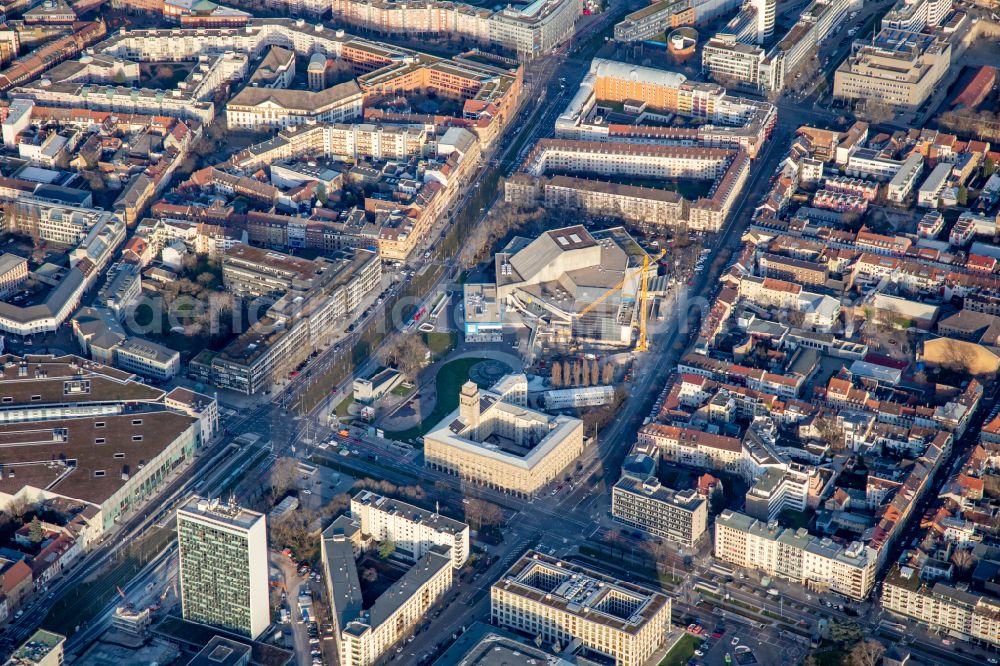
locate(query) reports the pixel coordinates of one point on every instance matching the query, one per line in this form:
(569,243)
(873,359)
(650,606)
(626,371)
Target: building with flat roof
(320,296)
(147,358)
(497,441)
(561,602)
(731,57)
(485,645)
(654,20)
(223,566)
(74,428)
(413,530)
(639,500)
(249,271)
(581,396)
(593,176)
(483,313)
(222,651)
(962,612)
(13,273)
(898,67)
(723,120)
(818,563)
(364,634)
(530,31)
(43,648)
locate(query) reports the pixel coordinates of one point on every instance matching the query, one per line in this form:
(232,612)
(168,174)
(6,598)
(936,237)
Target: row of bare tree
(582,373)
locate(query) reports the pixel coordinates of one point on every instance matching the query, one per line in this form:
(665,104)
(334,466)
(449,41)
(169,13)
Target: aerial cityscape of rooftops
(476,333)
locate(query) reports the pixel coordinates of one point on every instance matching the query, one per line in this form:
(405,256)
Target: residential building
(259,108)
(590,162)
(413,531)
(253,272)
(906,178)
(776,491)
(530,31)
(561,602)
(819,564)
(147,358)
(692,447)
(942,607)
(363,635)
(200,406)
(13,273)
(222,553)
(654,20)
(306,316)
(639,500)
(930,190)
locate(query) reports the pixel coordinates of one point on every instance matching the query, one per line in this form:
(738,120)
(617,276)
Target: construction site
(571,290)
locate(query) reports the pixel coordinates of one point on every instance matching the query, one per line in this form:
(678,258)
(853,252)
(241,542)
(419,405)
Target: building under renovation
(570,285)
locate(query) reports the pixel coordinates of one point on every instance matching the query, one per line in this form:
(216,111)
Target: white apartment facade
(819,564)
(413,530)
(942,607)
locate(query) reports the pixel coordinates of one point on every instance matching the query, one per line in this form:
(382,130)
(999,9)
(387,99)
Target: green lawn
(449,380)
(439,343)
(403,389)
(345,405)
(681,651)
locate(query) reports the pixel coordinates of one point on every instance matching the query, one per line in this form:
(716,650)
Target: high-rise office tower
(765,18)
(223,566)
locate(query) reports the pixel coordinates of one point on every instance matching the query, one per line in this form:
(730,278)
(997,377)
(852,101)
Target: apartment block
(260,108)
(147,358)
(252,272)
(902,184)
(640,501)
(590,161)
(561,602)
(654,20)
(530,31)
(693,447)
(298,321)
(778,490)
(942,607)
(413,530)
(819,564)
(363,634)
(222,550)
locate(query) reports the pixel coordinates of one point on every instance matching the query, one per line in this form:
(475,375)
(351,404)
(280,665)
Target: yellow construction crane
(603,297)
(642,344)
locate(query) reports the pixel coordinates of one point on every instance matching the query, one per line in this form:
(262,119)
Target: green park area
(682,651)
(449,380)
